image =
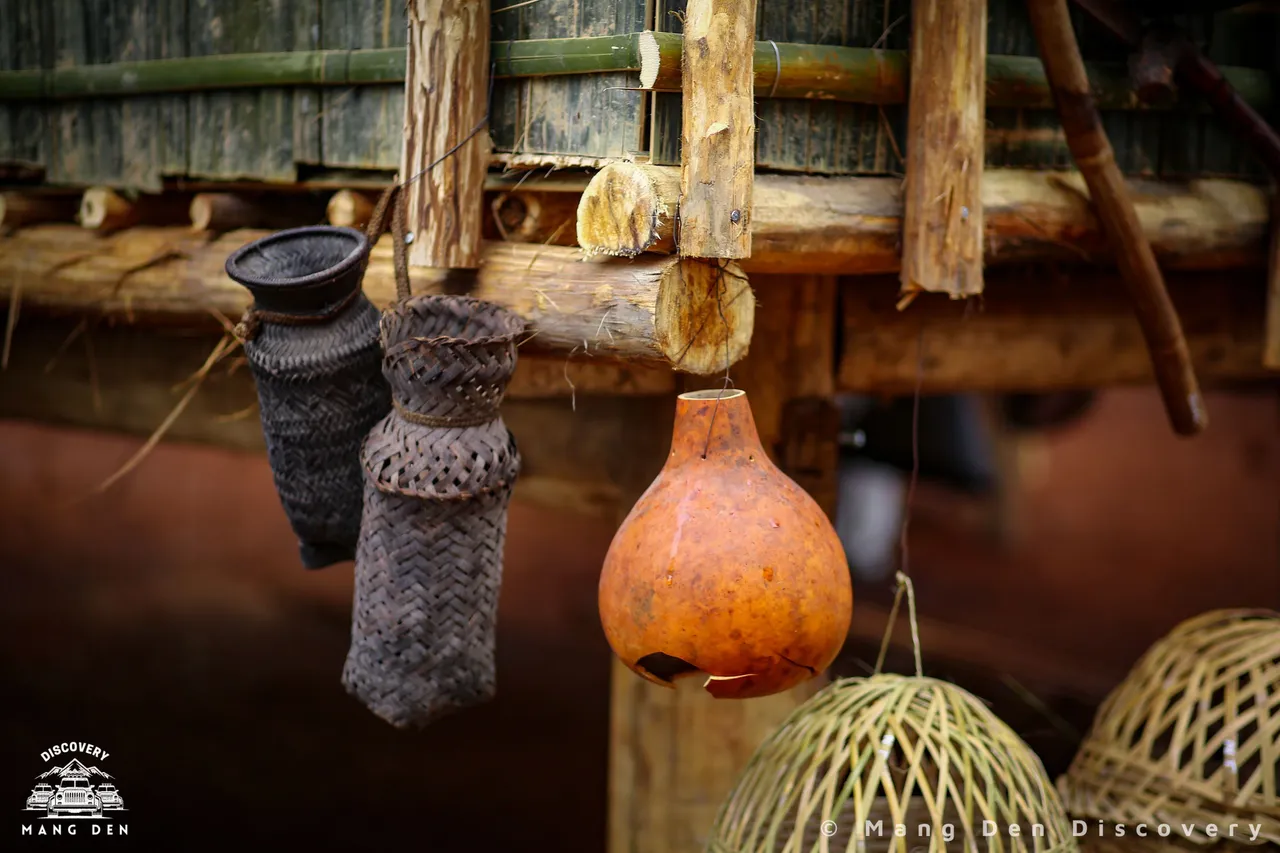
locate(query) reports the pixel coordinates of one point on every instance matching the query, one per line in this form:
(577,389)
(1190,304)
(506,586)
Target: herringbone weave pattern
(320,391)
(439,471)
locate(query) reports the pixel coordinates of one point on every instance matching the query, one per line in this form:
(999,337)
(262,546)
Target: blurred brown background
(169,622)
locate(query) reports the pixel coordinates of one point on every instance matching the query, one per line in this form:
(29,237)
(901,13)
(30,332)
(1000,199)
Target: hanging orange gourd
(725,568)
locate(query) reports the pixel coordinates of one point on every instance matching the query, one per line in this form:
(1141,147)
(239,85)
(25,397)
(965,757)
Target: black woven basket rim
(353,258)
(500,312)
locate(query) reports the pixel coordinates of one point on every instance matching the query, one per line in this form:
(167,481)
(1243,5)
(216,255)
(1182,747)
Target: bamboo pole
(942,218)
(350,208)
(717,162)
(803,71)
(103,209)
(229,211)
(683,314)
(446,102)
(851,226)
(1082,125)
(18,209)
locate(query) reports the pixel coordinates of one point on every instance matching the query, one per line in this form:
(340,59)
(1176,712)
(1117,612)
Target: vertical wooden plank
(251,134)
(446,83)
(153,127)
(362,126)
(592,116)
(717,169)
(946,123)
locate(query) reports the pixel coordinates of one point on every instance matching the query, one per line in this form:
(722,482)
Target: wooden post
(351,208)
(943,224)
(1096,160)
(717,166)
(446,99)
(1271,351)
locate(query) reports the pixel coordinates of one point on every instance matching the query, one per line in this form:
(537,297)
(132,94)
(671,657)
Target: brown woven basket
(439,471)
(1192,736)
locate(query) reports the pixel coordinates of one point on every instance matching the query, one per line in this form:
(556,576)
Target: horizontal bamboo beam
(1040,331)
(853,226)
(824,72)
(679,313)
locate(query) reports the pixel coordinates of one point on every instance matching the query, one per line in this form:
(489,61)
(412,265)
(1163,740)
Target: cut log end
(101,208)
(628,209)
(705,316)
(350,209)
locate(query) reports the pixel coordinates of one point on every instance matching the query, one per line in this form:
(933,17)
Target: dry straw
(1192,735)
(893,763)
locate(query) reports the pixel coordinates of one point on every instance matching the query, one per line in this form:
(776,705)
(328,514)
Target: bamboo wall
(283,134)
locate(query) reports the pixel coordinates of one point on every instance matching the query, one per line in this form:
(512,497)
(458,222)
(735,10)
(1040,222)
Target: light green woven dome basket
(902,764)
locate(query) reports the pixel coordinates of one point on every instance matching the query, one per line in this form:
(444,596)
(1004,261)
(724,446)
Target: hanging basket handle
(904,585)
(393,200)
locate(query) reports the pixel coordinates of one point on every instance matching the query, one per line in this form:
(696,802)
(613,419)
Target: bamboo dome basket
(1192,735)
(894,763)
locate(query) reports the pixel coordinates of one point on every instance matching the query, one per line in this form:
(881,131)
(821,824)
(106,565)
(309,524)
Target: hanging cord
(904,581)
(904,585)
(720,268)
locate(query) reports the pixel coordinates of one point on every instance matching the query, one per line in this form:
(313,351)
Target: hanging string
(902,577)
(720,270)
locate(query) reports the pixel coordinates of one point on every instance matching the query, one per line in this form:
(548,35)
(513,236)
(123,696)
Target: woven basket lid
(1192,736)
(923,760)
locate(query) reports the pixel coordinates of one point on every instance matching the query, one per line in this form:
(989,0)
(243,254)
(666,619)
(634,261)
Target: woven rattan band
(481,417)
(250,324)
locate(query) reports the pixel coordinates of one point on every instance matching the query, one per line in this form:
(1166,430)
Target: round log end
(99,207)
(627,209)
(705,315)
(201,212)
(350,209)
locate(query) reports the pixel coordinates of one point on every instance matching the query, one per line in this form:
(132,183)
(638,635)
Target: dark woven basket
(439,472)
(312,343)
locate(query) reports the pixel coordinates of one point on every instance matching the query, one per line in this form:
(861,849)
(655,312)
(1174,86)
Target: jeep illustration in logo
(39,798)
(74,798)
(110,797)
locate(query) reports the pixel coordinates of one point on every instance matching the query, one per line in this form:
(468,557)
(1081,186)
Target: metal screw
(408,238)
(735,217)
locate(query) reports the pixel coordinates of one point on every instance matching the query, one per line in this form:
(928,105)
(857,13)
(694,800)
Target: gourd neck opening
(714,425)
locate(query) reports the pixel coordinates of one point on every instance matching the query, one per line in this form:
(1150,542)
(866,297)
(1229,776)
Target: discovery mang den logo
(72,791)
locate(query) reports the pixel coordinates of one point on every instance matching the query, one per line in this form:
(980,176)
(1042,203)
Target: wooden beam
(853,226)
(1040,331)
(230,211)
(103,209)
(685,314)
(717,161)
(446,100)
(1092,152)
(19,209)
(942,221)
